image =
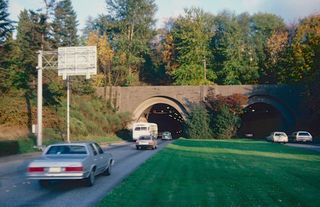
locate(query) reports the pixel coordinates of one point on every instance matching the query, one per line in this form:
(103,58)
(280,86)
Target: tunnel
(166,117)
(260,119)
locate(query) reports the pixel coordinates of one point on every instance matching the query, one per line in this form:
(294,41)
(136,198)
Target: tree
(105,56)
(5,23)
(134,21)
(191,36)
(233,54)
(28,42)
(262,26)
(197,124)
(306,48)
(276,53)
(65,25)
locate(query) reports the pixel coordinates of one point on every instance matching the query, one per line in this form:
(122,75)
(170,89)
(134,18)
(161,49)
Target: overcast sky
(290,10)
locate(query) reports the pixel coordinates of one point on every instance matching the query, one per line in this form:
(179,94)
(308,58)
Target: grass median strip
(223,173)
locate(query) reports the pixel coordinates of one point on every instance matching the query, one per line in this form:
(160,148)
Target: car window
(66,150)
(93,149)
(304,134)
(145,138)
(140,128)
(98,148)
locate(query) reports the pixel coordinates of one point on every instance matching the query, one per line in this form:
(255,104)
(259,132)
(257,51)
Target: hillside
(90,118)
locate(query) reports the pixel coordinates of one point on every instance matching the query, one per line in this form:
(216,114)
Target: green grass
(223,173)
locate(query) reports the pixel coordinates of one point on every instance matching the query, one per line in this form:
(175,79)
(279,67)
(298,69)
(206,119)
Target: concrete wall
(286,98)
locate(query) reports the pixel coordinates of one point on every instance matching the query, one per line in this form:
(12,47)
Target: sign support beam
(39,101)
(68,109)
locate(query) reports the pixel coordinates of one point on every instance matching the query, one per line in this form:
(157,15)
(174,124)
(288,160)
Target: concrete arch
(159,100)
(282,108)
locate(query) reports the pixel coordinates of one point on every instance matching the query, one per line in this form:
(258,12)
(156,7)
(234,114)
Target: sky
(290,10)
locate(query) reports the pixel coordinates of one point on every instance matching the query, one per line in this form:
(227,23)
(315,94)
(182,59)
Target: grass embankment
(223,173)
(91,118)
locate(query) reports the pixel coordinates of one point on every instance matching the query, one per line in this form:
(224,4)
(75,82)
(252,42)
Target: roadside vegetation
(222,173)
(91,119)
(218,117)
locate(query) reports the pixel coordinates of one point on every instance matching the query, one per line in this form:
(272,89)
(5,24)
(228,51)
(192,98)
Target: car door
(95,158)
(102,158)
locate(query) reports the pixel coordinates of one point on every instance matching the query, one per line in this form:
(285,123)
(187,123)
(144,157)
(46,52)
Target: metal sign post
(68,109)
(70,61)
(39,101)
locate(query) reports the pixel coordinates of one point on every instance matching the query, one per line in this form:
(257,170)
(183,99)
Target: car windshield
(66,150)
(166,133)
(145,138)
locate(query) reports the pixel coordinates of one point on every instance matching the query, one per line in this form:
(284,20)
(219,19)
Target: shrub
(225,114)
(225,123)
(198,123)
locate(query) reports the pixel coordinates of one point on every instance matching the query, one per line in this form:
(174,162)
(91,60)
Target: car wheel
(89,181)
(44,183)
(108,170)
(137,147)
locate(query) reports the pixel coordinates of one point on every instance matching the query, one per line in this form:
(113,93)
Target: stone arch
(286,113)
(159,100)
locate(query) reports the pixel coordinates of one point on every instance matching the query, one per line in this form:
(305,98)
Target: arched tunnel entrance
(260,119)
(166,117)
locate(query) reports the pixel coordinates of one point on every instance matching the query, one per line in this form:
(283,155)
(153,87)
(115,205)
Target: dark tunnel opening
(167,118)
(260,119)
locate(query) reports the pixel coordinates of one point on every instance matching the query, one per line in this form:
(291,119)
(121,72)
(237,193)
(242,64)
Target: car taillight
(36,169)
(73,169)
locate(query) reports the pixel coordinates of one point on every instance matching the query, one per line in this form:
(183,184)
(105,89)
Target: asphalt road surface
(17,191)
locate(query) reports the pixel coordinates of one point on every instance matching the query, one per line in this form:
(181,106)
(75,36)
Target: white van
(144,129)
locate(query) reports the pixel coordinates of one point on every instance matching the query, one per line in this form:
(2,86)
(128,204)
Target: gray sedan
(71,161)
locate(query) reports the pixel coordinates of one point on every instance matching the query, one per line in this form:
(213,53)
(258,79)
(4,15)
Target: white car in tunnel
(166,135)
(280,137)
(301,136)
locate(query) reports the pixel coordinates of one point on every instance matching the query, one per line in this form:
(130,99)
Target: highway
(17,191)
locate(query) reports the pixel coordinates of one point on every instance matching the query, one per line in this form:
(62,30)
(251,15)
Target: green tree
(8,53)
(134,21)
(262,26)
(233,55)
(191,36)
(28,42)
(6,26)
(6,47)
(198,123)
(65,25)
